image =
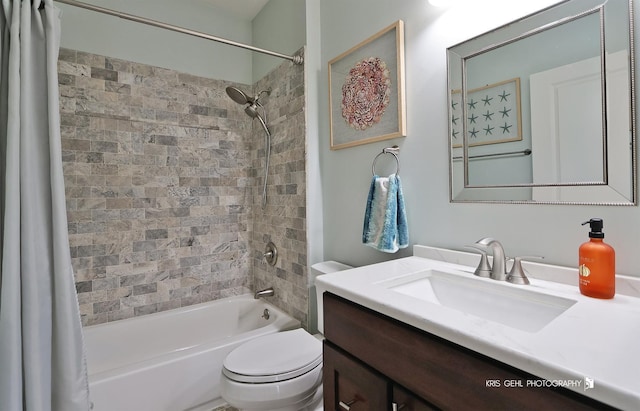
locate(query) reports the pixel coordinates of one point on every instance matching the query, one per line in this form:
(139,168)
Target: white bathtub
(171,361)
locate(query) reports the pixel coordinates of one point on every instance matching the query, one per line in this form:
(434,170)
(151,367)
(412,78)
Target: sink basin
(499,302)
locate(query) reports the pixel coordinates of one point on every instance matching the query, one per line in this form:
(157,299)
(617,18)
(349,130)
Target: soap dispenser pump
(597,264)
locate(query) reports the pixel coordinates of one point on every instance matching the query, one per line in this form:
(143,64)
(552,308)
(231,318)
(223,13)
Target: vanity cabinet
(374,362)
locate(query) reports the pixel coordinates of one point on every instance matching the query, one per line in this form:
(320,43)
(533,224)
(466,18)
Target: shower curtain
(42,365)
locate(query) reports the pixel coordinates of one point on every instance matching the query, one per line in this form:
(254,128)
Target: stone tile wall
(158,187)
(163,179)
(283,220)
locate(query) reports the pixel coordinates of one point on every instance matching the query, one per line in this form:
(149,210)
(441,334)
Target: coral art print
(366,90)
(366,93)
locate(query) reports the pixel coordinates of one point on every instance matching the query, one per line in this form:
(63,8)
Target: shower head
(252,110)
(239,96)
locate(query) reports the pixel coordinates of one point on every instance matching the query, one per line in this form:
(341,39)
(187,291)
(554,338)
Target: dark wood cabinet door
(350,385)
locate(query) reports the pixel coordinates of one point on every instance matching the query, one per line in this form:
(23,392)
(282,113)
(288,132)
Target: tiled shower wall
(160,185)
(283,220)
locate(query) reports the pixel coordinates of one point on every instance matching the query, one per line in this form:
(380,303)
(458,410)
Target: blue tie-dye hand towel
(385,218)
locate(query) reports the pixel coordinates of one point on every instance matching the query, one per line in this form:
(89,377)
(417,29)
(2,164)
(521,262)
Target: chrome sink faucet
(499,268)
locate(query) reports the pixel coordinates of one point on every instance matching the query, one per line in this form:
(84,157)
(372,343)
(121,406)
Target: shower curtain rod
(295,59)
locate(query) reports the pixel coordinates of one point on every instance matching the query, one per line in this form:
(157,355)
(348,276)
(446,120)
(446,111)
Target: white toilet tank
(315,301)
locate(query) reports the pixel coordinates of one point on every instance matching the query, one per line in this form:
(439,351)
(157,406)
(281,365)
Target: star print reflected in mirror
(505,112)
(487,116)
(505,128)
(504,95)
(487,100)
(472,104)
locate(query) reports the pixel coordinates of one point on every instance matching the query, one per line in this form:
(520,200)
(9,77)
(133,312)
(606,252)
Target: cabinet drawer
(444,374)
(349,385)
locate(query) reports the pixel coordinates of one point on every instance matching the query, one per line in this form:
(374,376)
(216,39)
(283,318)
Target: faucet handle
(517,275)
(484,268)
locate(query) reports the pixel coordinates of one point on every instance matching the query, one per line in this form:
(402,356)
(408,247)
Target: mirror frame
(524,27)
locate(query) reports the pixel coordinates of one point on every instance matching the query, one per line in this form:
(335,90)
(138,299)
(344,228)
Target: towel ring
(390,150)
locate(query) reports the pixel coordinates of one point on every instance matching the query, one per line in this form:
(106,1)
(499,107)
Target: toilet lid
(274,357)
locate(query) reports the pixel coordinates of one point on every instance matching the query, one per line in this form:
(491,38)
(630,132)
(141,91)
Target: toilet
(281,371)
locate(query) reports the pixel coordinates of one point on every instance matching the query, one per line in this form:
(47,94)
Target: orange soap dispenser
(597,266)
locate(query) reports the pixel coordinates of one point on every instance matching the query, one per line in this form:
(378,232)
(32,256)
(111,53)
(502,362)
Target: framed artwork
(366,90)
(493,114)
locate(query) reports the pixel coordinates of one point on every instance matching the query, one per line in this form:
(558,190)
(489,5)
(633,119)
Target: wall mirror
(542,110)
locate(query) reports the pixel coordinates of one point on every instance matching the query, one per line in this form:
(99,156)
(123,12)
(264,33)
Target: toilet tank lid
(327,267)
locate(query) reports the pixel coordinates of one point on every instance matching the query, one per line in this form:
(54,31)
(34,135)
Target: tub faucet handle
(270,254)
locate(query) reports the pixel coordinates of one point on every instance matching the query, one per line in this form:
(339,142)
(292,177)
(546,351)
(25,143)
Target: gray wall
(280,26)
(110,36)
(550,231)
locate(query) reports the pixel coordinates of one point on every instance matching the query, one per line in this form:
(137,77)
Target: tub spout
(267,292)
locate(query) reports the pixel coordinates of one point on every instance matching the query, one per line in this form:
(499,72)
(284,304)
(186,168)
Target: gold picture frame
(367,91)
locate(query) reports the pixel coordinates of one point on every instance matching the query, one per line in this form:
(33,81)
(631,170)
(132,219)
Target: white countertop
(593,339)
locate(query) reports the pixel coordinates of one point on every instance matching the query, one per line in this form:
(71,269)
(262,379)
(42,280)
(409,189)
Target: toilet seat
(275,357)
